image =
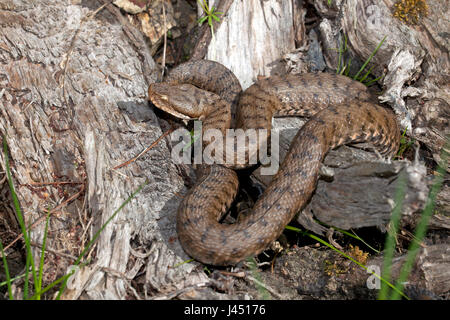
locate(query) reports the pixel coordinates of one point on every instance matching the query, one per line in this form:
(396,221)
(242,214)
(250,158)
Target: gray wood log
(64,80)
(253,37)
(314,273)
(360,190)
(431,270)
(414,60)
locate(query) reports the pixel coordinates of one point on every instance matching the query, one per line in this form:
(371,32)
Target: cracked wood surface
(68,83)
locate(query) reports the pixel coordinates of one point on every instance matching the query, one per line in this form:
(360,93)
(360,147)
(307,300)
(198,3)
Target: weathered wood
(253,37)
(64,75)
(431,270)
(360,190)
(314,273)
(414,59)
(204,40)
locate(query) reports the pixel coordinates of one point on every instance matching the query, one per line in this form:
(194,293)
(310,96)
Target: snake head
(183,101)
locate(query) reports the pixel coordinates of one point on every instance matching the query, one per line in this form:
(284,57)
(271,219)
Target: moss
(358,254)
(410,11)
(337,267)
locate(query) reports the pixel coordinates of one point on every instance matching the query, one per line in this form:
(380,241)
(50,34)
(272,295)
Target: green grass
(343,67)
(41,262)
(37,275)
(396,291)
(389,247)
(361,79)
(405,144)
(262,291)
(209,14)
(318,239)
(421,227)
(26,234)
(192,140)
(389,290)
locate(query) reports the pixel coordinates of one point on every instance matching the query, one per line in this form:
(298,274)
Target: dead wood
(65,74)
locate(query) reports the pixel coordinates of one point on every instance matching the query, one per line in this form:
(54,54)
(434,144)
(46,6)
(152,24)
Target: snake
(340,111)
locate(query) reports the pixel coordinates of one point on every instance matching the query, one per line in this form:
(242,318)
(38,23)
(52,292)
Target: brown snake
(341,113)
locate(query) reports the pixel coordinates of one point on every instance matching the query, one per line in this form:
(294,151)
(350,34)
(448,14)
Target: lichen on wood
(410,11)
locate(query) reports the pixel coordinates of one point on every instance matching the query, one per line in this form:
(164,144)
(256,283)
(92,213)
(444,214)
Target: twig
(165,41)
(265,286)
(39,220)
(146,150)
(56,183)
(57,253)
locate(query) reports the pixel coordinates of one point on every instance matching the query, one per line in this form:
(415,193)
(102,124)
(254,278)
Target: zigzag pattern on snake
(341,112)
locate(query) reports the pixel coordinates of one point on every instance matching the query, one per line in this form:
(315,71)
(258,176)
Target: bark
(74,88)
(414,60)
(253,37)
(357,188)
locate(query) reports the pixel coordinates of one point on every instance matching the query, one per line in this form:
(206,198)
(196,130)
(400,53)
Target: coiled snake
(340,110)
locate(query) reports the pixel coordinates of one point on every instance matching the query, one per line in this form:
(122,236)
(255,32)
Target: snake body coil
(340,110)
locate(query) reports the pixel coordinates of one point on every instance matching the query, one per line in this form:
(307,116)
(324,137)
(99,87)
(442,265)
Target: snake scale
(341,112)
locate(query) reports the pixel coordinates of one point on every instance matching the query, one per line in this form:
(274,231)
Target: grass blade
(369,83)
(5,267)
(342,48)
(26,235)
(370,58)
(389,247)
(366,75)
(263,292)
(29,258)
(421,228)
(364,242)
(4,283)
(346,70)
(351,234)
(41,263)
(346,256)
(54,283)
(202,20)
